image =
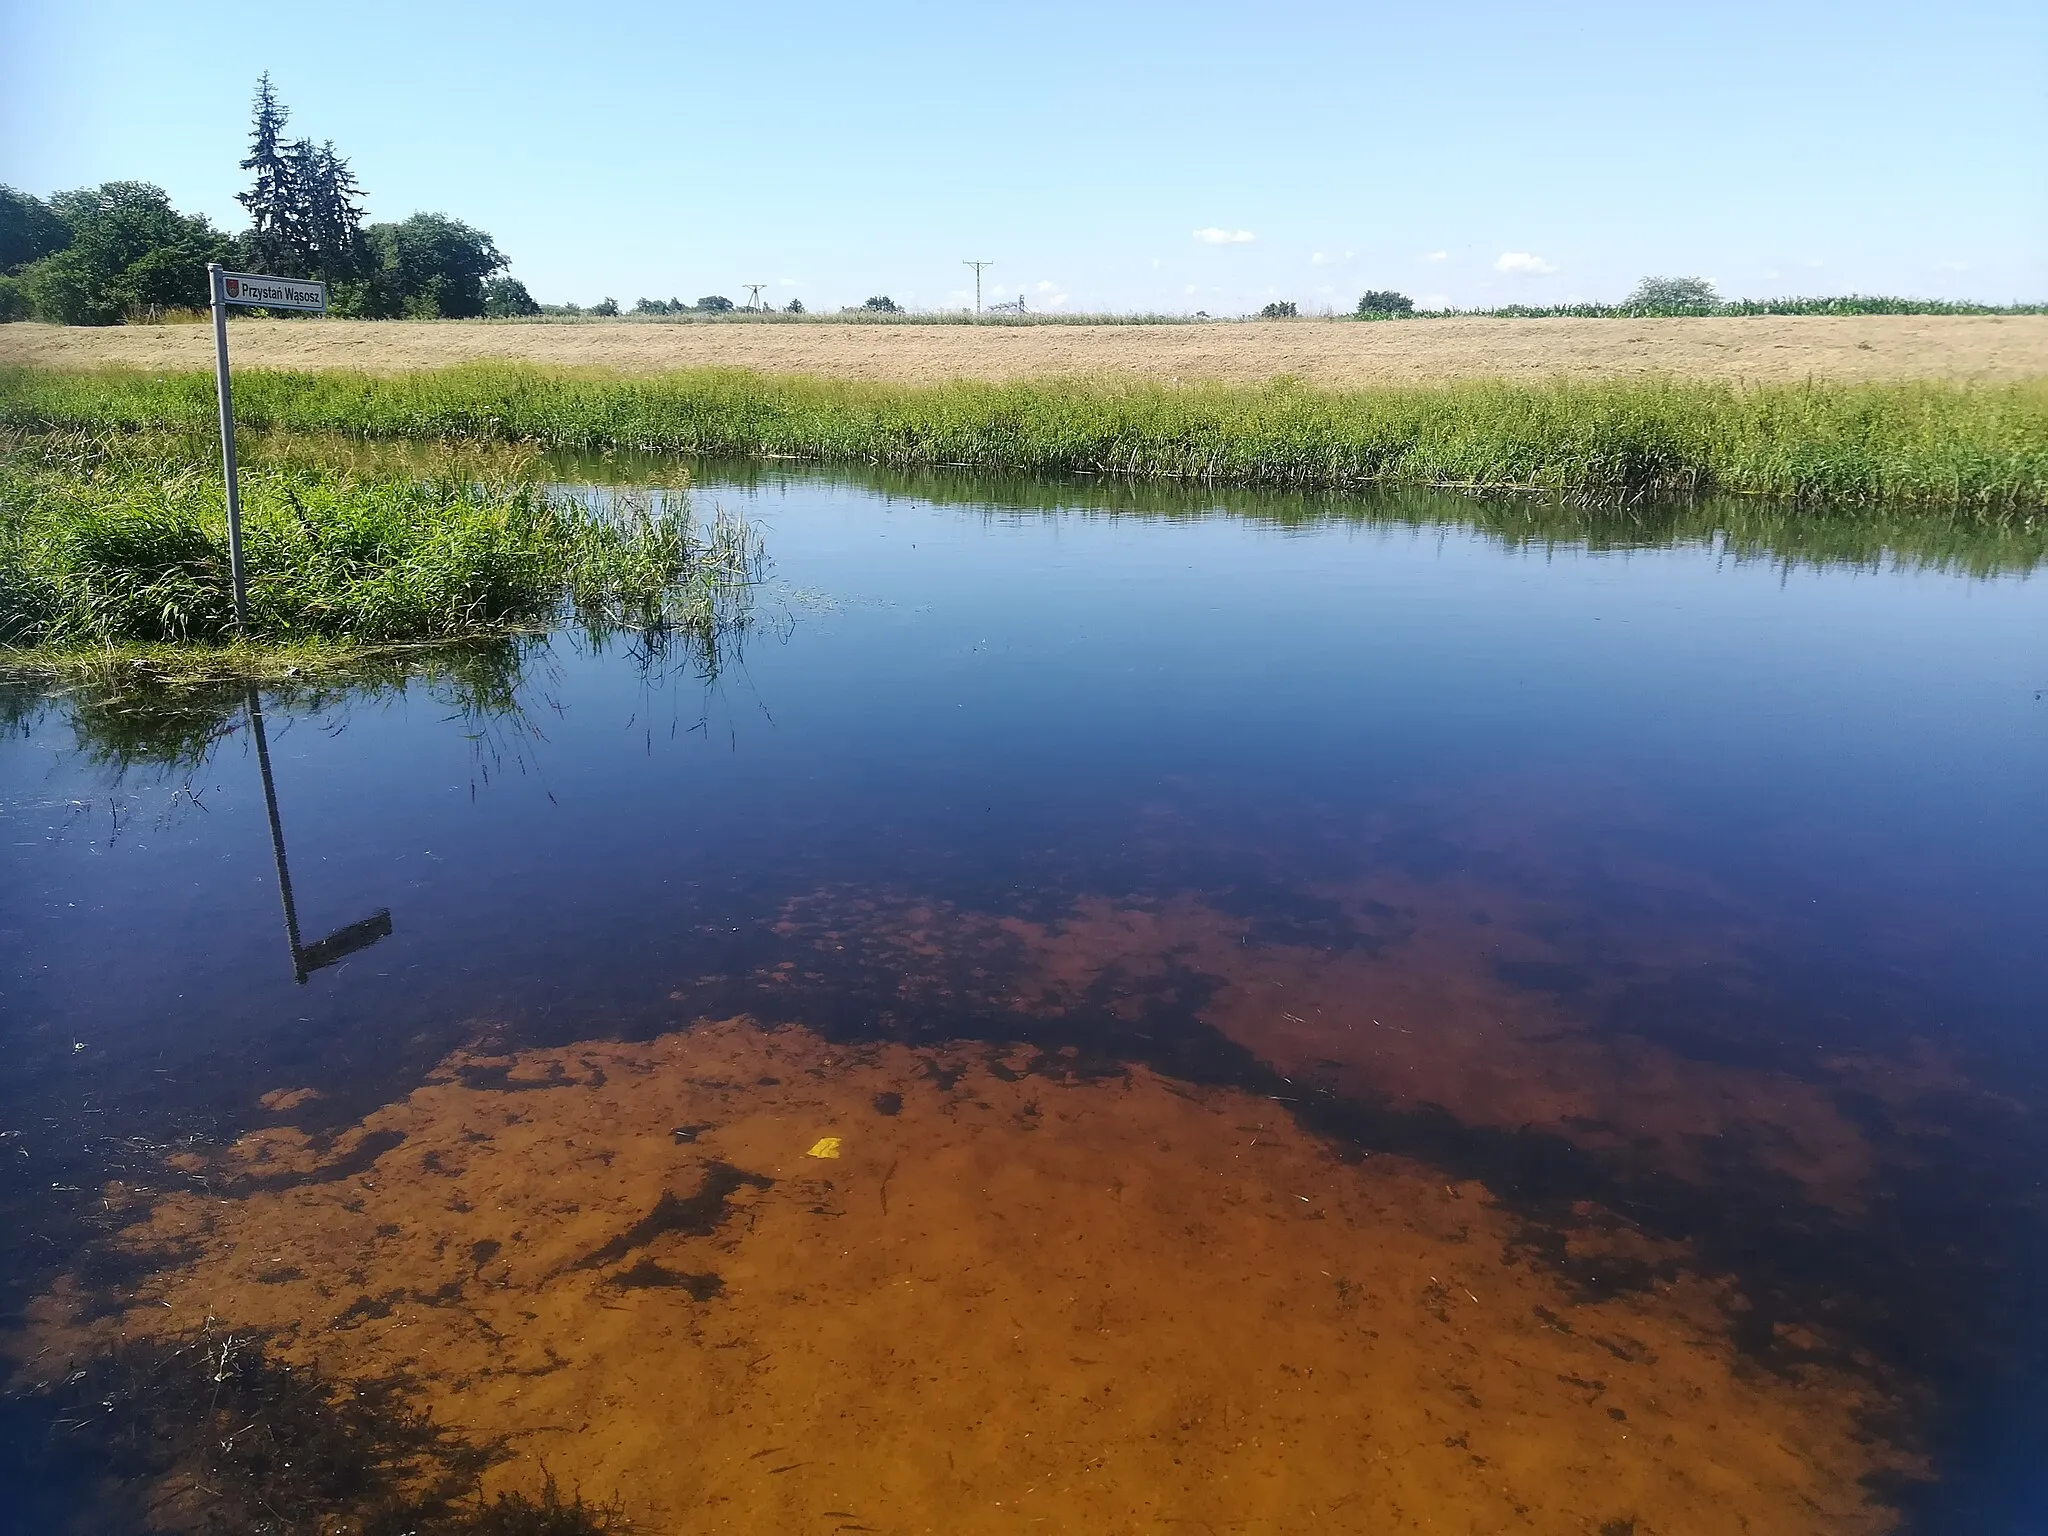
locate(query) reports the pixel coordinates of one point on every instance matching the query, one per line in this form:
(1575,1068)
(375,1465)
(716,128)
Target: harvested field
(1753,348)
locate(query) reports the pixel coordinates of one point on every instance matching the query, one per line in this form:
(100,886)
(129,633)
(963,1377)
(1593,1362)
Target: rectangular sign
(259,292)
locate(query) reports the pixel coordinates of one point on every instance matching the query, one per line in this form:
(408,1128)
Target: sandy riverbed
(1015,1296)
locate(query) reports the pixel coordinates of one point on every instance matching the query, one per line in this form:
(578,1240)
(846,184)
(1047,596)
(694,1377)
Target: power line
(977,265)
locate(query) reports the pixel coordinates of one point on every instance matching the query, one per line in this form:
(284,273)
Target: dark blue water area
(1774,827)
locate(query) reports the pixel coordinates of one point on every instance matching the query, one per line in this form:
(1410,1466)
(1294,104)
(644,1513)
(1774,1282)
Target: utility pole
(754,295)
(977,265)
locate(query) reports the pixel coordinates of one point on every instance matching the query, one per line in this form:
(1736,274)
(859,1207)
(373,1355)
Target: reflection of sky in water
(1719,881)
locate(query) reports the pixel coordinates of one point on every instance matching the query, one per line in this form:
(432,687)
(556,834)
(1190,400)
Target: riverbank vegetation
(1979,451)
(115,545)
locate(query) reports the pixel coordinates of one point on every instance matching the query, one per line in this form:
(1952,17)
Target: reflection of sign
(343,942)
(259,292)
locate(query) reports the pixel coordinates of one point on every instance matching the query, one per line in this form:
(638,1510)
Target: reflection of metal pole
(343,942)
(284,872)
(225,391)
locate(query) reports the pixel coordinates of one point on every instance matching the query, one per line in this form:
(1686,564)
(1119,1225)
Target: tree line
(100,255)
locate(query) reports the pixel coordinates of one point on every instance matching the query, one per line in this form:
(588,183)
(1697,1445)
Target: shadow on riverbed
(205,1431)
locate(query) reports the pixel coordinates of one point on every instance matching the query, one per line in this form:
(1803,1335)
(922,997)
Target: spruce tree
(341,213)
(327,213)
(271,199)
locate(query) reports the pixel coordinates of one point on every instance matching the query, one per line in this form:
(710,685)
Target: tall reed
(1981,450)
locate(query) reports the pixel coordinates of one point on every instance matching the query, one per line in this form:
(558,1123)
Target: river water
(1088,1012)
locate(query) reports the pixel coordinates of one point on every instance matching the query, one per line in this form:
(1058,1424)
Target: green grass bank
(113,541)
(1976,450)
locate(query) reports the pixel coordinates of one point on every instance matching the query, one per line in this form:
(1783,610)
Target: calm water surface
(1328,1024)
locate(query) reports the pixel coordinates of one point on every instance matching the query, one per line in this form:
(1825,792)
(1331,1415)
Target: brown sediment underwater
(1426,1018)
(1406,993)
(749,1279)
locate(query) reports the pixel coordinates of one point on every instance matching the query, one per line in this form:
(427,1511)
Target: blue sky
(1479,153)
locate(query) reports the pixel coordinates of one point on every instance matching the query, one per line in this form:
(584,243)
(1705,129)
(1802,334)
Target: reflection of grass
(221,1437)
(1979,449)
(1864,536)
(166,707)
(107,541)
(1869,537)
(128,711)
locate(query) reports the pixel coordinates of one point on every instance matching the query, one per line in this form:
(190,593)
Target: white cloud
(1436,256)
(1190,288)
(1157,263)
(1955,266)
(1328,259)
(1522,261)
(1214,236)
(790,282)
(1046,285)
(1434,301)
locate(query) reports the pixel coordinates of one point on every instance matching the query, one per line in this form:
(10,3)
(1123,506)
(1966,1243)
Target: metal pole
(284,872)
(227,446)
(977,265)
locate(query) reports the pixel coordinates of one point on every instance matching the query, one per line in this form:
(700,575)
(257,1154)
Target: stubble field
(1340,354)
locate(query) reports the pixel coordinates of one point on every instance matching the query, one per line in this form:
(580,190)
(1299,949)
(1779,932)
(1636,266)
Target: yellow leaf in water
(825,1146)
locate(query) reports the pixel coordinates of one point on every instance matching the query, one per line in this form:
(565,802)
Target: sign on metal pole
(251,290)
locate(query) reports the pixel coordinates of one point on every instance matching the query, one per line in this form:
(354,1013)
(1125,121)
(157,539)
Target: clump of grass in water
(634,578)
(106,544)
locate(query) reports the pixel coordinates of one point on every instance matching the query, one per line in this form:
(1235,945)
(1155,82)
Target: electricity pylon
(977,265)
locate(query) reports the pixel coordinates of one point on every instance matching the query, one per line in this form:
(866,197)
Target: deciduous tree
(1382,302)
(130,251)
(29,230)
(506,298)
(426,267)
(1673,293)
